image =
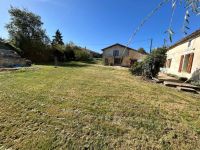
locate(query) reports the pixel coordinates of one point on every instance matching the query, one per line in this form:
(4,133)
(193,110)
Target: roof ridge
(185,39)
(119,45)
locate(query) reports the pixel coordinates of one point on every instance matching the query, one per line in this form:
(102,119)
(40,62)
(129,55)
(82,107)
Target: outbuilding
(120,55)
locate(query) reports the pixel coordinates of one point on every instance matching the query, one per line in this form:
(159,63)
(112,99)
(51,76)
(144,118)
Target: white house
(183,58)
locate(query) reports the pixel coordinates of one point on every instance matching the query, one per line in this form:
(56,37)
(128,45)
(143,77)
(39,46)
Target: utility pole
(165,43)
(151,44)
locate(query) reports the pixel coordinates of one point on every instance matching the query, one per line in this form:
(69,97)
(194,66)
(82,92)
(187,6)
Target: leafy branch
(191,6)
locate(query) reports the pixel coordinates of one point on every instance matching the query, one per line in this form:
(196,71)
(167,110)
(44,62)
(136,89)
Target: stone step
(187,89)
(175,84)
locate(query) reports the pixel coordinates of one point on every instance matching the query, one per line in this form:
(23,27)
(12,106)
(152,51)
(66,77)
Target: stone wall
(9,58)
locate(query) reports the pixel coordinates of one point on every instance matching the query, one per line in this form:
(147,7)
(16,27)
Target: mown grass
(85,106)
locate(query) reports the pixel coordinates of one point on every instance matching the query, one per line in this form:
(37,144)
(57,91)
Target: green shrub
(69,53)
(151,65)
(137,68)
(195,79)
(81,55)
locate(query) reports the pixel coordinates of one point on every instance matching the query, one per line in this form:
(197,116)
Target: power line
(173,12)
(151,44)
(103,44)
(143,22)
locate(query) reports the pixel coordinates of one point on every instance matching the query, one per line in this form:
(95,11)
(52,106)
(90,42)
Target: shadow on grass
(89,62)
(73,63)
(77,64)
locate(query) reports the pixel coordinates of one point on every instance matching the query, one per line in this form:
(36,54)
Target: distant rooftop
(117,44)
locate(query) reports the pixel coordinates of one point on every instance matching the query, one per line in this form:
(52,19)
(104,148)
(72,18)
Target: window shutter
(166,62)
(189,67)
(170,62)
(181,64)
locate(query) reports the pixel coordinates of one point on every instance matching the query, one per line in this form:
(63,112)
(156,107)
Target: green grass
(85,106)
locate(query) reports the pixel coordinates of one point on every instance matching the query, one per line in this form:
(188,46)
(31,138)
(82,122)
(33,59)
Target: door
(117,61)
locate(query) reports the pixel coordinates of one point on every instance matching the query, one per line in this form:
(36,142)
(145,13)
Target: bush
(36,51)
(81,55)
(69,53)
(151,65)
(137,68)
(195,79)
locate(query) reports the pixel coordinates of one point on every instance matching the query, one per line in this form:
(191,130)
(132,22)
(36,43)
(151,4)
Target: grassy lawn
(83,106)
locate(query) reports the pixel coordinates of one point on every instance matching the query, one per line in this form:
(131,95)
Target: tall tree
(58,38)
(25,28)
(25,24)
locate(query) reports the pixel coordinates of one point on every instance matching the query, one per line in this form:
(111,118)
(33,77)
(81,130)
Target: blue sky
(99,23)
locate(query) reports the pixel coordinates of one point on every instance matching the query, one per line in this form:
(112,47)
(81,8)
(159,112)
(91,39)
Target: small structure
(10,58)
(121,55)
(183,58)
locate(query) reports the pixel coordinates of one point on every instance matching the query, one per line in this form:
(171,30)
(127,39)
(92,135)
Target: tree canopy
(26,32)
(25,24)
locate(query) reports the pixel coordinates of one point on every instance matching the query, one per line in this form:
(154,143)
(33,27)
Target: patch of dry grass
(84,106)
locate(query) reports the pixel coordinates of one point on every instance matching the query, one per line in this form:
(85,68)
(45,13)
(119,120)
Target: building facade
(120,55)
(183,58)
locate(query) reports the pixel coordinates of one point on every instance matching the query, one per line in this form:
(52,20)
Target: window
(186,63)
(116,53)
(189,66)
(181,63)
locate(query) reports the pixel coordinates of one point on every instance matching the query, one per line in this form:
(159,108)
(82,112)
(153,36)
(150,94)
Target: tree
(58,38)
(58,52)
(25,28)
(141,50)
(81,55)
(191,6)
(25,24)
(69,52)
(58,47)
